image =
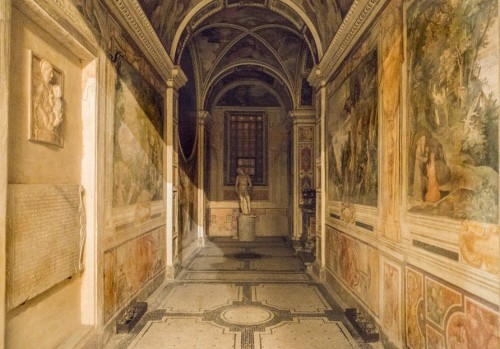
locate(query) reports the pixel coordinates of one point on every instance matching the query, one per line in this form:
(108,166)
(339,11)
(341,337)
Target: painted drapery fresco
(452,55)
(138,147)
(352,137)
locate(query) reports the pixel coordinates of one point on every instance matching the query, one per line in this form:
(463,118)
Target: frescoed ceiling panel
(287,44)
(211,42)
(248,33)
(166,16)
(249,48)
(247,17)
(248,94)
(326,16)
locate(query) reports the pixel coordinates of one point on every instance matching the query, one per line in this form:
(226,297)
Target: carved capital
(177,78)
(316,78)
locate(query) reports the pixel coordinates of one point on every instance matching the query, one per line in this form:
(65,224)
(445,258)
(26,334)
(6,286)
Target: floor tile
(296,298)
(195,298)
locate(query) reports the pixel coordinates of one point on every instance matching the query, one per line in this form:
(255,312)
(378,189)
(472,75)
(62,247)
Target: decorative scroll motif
(479,245)
(46,236)
(348,213)
(46,102)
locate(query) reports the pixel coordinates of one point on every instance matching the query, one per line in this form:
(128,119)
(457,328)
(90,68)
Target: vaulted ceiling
(256,52)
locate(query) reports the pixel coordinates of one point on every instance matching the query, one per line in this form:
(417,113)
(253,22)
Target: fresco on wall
(391,301)
(453,91)
(356,264)
(476,328)
(188,200)
(452,319)
(439,300)
(138,146)
(352,137)
(479,245)
(248,95)
(130,266)
(415,327)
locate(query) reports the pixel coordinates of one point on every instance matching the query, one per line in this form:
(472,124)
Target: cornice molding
(135,22)
(359,17)
(302,115)
(62,20)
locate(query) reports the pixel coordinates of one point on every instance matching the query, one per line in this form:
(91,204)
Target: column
(171,169)
(202,117)
(5,22)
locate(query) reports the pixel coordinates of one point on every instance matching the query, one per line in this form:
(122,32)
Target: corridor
(242,295)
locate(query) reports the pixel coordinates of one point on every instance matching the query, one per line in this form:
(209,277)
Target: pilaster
(171,168)
(318,82)
(5,23)
(303,162)
(202,117)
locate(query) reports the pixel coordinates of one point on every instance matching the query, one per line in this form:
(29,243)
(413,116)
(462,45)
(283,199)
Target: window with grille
(245,146)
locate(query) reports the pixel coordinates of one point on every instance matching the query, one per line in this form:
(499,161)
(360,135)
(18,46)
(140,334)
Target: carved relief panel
(46,116)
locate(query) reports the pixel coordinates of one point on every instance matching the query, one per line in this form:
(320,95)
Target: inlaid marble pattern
(248,308)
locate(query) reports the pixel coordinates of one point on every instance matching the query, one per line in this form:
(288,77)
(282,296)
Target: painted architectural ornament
(453,93)
(348,213)
(47,103)
(479,245)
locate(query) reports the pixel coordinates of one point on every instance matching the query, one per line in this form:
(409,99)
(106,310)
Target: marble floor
(222,299)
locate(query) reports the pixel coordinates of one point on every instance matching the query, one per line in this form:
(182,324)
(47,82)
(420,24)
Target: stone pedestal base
(246,227)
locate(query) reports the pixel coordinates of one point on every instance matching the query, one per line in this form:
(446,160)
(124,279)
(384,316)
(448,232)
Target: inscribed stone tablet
(45,238)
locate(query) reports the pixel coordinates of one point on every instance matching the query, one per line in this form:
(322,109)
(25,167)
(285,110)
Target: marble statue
(243,185)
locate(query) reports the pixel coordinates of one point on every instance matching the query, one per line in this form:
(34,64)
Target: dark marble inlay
(437,250)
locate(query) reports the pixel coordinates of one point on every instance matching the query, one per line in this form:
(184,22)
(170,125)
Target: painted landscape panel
(453,91)
(352,136)
(138,146)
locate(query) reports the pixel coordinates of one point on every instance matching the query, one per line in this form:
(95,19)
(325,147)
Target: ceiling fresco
(245,95)
(283,37)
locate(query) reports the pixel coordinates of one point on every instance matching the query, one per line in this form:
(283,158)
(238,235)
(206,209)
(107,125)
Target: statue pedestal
(246,227)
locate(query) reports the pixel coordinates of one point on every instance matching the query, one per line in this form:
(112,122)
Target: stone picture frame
(46,111)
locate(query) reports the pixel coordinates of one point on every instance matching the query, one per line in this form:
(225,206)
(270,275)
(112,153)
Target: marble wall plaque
(45,238)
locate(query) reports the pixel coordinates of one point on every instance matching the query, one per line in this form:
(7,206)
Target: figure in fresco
(419,181)
(243,185)
(433,194)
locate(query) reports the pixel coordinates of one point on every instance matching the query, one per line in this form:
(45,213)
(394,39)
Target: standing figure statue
(243,185)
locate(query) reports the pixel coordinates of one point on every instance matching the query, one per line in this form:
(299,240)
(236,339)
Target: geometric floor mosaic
(222,302)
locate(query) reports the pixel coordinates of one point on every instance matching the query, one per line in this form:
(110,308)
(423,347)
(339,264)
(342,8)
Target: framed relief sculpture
(46,111)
